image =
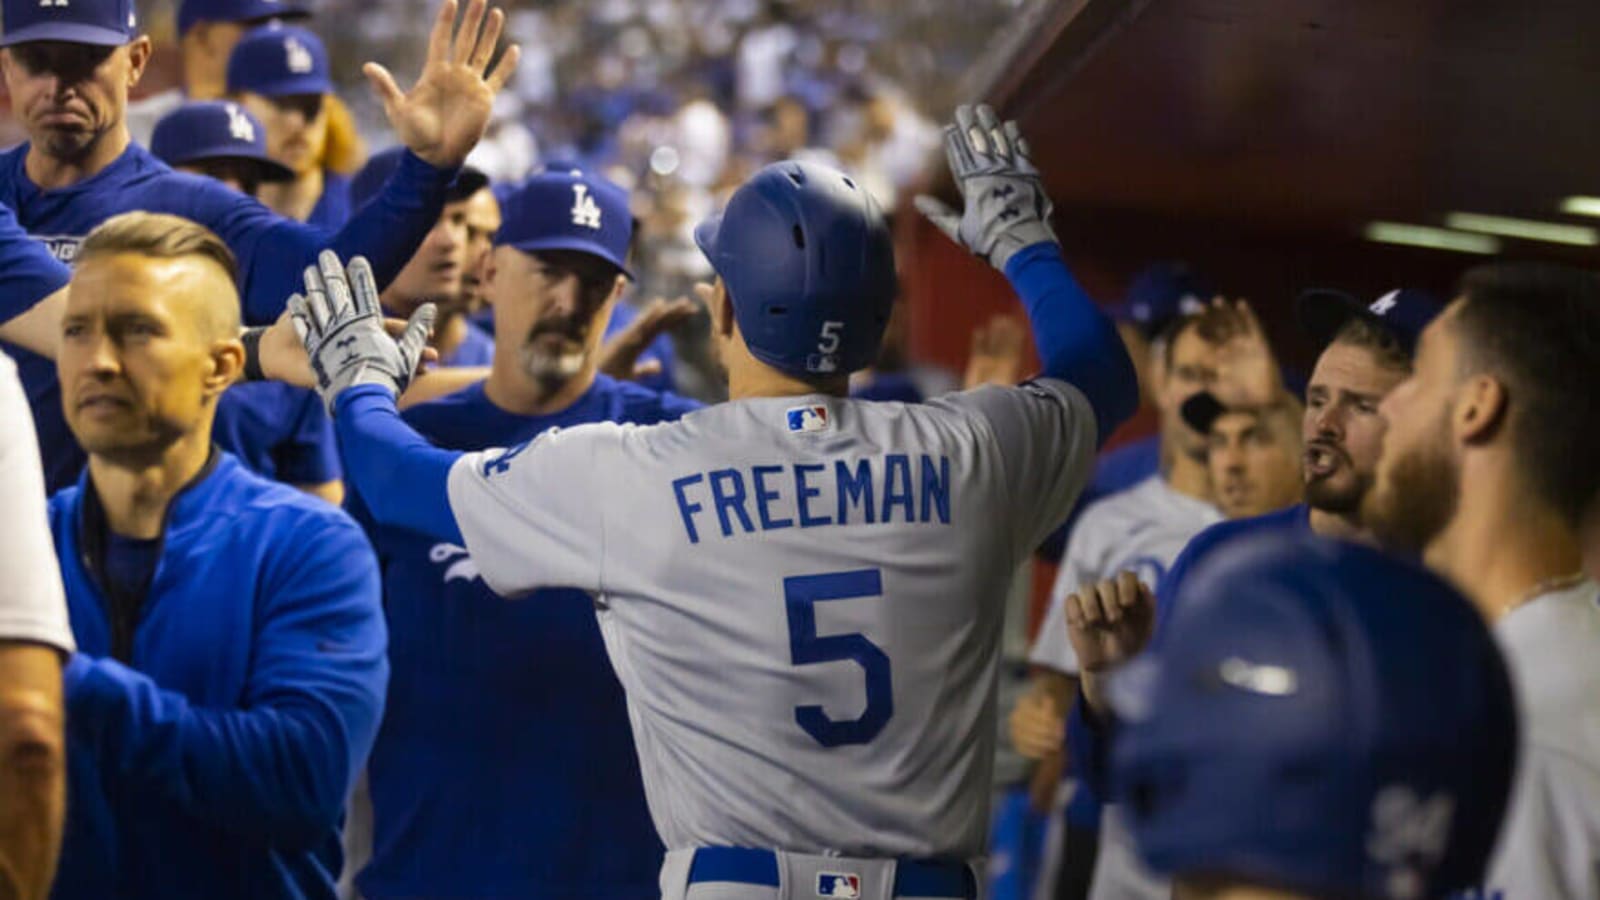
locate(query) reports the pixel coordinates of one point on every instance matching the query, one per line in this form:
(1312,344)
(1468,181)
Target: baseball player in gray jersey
(795,588)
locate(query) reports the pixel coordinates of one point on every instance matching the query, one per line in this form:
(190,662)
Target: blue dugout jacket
(216,722)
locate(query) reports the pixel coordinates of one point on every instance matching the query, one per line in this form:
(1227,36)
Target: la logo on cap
(298,57)
(1383,305)
(585,211)
(239,125)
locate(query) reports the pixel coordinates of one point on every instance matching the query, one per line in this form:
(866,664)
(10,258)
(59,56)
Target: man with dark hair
(1487,473)
(437,272)
(1342,434)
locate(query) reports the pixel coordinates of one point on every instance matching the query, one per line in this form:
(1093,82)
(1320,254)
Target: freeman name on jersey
(872,491)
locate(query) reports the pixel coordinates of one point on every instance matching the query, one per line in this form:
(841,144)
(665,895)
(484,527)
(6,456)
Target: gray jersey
(801,597)
(1550,843)
(1140,530)
(33,607)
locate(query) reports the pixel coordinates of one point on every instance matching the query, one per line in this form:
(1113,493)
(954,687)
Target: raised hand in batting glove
(341,324)
(1006,208)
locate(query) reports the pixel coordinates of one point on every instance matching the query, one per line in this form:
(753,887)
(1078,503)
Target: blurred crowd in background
(677,100)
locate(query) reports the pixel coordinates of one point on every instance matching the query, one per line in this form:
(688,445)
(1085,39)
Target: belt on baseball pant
(912,877)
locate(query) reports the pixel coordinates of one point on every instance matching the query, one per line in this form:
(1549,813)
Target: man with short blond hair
(231,665)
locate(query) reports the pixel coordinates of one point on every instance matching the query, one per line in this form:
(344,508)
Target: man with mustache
(69,68)
(1366,352)
(1487,473)
(505,764)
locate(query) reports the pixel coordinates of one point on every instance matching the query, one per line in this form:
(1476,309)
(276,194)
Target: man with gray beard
(1487,473)
(450,817)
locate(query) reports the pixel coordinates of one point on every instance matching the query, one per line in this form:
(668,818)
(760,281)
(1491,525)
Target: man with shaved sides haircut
(231,665)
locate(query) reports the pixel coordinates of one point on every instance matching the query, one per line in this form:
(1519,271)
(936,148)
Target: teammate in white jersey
(796,589)
(34,637)
(1142,528)
(1487,472)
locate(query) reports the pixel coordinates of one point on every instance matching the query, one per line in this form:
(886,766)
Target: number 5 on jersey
(802,593)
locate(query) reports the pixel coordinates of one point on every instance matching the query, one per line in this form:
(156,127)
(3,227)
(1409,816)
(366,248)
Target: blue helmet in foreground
(808,262)
(1319,717)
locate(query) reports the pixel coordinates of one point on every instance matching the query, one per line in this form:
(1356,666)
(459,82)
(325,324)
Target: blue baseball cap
(1404,312)
(1318,716)
(103,23)
(202,130)
(279,61)
(568,210)
(1159,294)
(193,12)
(368,182)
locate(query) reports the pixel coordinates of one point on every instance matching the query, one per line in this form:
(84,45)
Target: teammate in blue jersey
(231,665)
(505,765)
(280,73)
(68,68)
(275,429)
(796,589)
(437,272)
(221,139)
(31,288)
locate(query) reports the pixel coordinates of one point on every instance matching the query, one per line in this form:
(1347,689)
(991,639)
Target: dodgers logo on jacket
(838,884)
(807,418)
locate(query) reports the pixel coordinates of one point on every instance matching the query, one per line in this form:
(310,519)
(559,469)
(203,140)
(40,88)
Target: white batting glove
(1006,208)
(340,322)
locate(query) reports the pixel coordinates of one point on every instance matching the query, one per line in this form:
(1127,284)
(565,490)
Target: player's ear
(1479,409)
(721,309)
(139,50)
(227,365)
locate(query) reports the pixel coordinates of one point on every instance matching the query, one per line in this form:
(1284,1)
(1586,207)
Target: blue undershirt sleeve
(28,273)
(401,478)
(274,251)
(1076,341)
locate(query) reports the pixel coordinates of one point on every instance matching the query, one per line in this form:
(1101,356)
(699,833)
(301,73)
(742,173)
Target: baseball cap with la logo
(279,61)
(103,23)
(1404,312)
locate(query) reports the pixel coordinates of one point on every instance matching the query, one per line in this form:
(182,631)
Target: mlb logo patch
(838,884)
(806,419)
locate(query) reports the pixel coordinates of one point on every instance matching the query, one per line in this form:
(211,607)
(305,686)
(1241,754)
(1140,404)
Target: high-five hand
(341,324)
(1247,371)
(1005,205)
(445,113)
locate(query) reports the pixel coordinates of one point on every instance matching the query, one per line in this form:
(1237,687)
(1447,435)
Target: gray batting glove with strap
(340,322)
(1006,207)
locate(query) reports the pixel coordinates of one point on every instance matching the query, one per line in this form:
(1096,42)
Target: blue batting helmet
(1320,717)
(807,259)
